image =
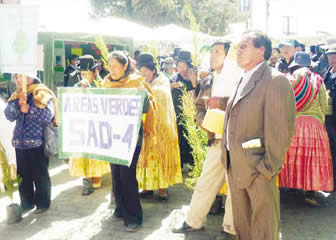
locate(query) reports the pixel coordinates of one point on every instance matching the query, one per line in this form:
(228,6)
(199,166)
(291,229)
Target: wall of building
(298,17)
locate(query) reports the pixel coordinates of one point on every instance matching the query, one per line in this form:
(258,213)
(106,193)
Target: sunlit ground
(88,226)
(72,216)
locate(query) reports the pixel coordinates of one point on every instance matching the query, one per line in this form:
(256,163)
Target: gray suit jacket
(264,110)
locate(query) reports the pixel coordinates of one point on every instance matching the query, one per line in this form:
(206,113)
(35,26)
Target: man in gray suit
(259,123)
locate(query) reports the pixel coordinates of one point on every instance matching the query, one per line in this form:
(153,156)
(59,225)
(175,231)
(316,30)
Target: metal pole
(267,16)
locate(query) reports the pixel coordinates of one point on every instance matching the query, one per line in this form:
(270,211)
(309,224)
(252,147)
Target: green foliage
(100,43)
(11,184)
(213,16)
(197,138)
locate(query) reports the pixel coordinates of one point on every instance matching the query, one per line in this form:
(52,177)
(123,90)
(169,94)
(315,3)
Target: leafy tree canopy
(213,16)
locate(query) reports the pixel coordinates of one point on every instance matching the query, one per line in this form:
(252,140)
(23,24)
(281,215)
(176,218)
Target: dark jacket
(282,65)
(71,76)
(177,93)
(28,131)
(330,84)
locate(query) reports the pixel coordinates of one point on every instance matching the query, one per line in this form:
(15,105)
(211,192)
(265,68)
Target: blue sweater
(28,131)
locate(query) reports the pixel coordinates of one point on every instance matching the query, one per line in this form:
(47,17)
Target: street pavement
(75,217)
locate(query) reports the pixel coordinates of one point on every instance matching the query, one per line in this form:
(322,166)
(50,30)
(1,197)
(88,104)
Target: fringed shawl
(306,86)
(41,95)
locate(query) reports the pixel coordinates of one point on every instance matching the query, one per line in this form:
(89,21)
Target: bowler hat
(146,60)
(87,62)
(331,49)
(184,56)
(176,52)
(301,59)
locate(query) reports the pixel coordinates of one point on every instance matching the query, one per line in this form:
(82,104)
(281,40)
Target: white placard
(100,124)
(18,42)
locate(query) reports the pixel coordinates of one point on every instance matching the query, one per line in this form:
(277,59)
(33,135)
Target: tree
(213,16)
(149,12)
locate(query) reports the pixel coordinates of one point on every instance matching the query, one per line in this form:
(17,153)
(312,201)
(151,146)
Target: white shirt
(215,82)
(245,79)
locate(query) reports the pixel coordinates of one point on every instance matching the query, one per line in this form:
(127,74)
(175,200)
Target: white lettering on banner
(101,124)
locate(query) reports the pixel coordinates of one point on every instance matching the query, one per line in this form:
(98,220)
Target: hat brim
(189,61)
(85,69)
(331,52)
(293,64)
(286,44)
(149,65)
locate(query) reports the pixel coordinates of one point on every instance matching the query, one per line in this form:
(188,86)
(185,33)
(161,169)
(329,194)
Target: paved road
(72,216)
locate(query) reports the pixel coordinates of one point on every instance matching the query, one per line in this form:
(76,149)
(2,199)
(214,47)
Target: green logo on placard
(20,44)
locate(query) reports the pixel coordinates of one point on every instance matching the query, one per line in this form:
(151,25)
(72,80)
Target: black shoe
(132,227)
(87,187)
(40,210)
(26,209)
(186,228)
(145,194)
(163,199)
(115,218)
(226,236)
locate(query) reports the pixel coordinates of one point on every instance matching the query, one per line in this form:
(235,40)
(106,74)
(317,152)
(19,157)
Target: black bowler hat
(184,56)
(146,60)
(301,59)
(87,62)
(175,52)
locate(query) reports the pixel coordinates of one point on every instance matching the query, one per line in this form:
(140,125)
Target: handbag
(50,145)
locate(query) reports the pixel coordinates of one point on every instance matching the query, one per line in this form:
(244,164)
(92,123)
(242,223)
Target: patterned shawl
(306,86)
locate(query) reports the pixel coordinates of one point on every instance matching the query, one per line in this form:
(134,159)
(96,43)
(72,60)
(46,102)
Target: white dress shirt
(246,76)
(215,84)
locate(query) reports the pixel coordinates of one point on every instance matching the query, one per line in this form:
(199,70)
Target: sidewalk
(73,216)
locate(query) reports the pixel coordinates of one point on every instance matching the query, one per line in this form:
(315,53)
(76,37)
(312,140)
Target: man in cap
(288,49)
(213,175)
(186,77)
(329,77)
(71,74)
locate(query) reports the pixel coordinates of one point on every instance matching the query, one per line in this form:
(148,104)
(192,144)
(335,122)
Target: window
(244,5)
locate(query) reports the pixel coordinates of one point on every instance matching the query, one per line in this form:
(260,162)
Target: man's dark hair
(303,47)
(73,57)
(277,49)
(225,43)
(261,40)
(136,54)
(313,49)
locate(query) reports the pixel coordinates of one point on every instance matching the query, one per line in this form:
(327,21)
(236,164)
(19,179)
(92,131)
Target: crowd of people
(279,132)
